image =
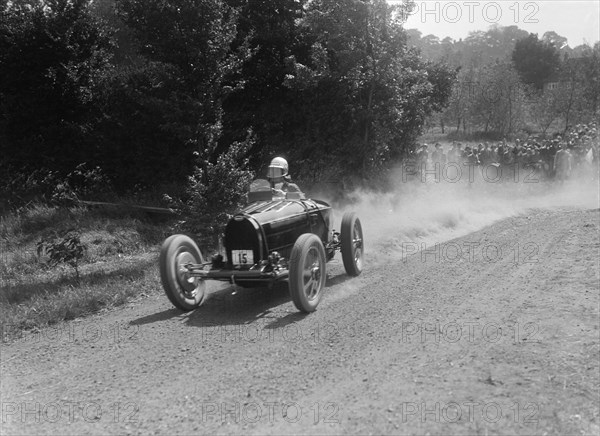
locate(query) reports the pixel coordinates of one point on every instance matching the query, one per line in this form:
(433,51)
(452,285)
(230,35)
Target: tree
(588,73)
(544,109)
(499,106)
(191,63)
(125,50)
(576,95)
(367,95)
(535,60)
(554,39)
(53,55)
(271,32)
(163,113)
(193,40)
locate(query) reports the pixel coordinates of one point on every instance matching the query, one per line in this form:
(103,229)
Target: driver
(278,176)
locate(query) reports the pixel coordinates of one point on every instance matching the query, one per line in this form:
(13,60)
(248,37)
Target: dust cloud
(438,209)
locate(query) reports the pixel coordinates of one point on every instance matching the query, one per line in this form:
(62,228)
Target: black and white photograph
(299,217)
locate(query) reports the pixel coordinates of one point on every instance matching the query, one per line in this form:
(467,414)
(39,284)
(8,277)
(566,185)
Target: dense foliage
(511,81)
(53,57)
(202,93)
(535,60)
(193,97)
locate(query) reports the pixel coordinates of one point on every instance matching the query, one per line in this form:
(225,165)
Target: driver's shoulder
(291,187)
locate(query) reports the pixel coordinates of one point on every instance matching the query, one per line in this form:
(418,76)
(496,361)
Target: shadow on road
(337,280)
(290,318)
(160,316)
(231,306)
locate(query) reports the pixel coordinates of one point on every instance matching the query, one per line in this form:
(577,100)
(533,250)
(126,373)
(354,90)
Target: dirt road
(494,332)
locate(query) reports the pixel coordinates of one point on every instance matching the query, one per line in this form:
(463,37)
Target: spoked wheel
(307,272)
(185,292)
(352,244)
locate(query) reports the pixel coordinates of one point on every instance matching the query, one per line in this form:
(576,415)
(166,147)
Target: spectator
(563,163)
(438,156)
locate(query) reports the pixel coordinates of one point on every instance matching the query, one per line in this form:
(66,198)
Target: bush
(68,250)
(476,136)
(216,190)
(21,187)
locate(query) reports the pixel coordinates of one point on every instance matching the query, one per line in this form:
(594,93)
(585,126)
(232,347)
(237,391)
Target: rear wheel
(307,272)
(185,292)
(351,239)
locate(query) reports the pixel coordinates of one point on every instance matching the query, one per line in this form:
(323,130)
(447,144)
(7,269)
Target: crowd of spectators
(557,157)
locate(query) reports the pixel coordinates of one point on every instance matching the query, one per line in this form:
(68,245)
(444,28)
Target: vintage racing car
(275,237)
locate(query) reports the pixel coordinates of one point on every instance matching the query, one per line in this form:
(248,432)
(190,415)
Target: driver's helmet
(278,168)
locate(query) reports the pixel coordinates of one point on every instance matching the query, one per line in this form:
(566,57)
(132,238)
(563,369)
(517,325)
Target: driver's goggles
(275,172)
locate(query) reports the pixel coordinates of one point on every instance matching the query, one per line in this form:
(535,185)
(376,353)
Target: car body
(276,236)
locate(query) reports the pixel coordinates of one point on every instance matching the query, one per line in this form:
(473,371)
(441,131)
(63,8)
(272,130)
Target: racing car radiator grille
(242,233)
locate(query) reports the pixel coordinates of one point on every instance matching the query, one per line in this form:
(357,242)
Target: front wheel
(185,292)
(307,272)
(351,239)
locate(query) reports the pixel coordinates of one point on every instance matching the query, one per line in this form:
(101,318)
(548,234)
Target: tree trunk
(369,49)
(510,119)
(569,106)
(367,128)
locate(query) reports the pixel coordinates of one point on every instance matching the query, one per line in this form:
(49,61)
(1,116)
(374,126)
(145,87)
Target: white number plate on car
(242,257)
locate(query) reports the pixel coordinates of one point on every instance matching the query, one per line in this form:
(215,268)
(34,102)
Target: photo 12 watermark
(470,332)
(73,334)
(471,252)
(26,412)
(469,411)
(491,91)
(463,12)
(264,331)
(269,412)
(455,172)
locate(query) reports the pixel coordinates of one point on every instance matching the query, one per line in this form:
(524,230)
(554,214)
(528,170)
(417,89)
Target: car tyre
(307,272)
(351,240)
(185,292)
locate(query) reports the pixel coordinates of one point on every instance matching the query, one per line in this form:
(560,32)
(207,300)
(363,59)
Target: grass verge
(119,262)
